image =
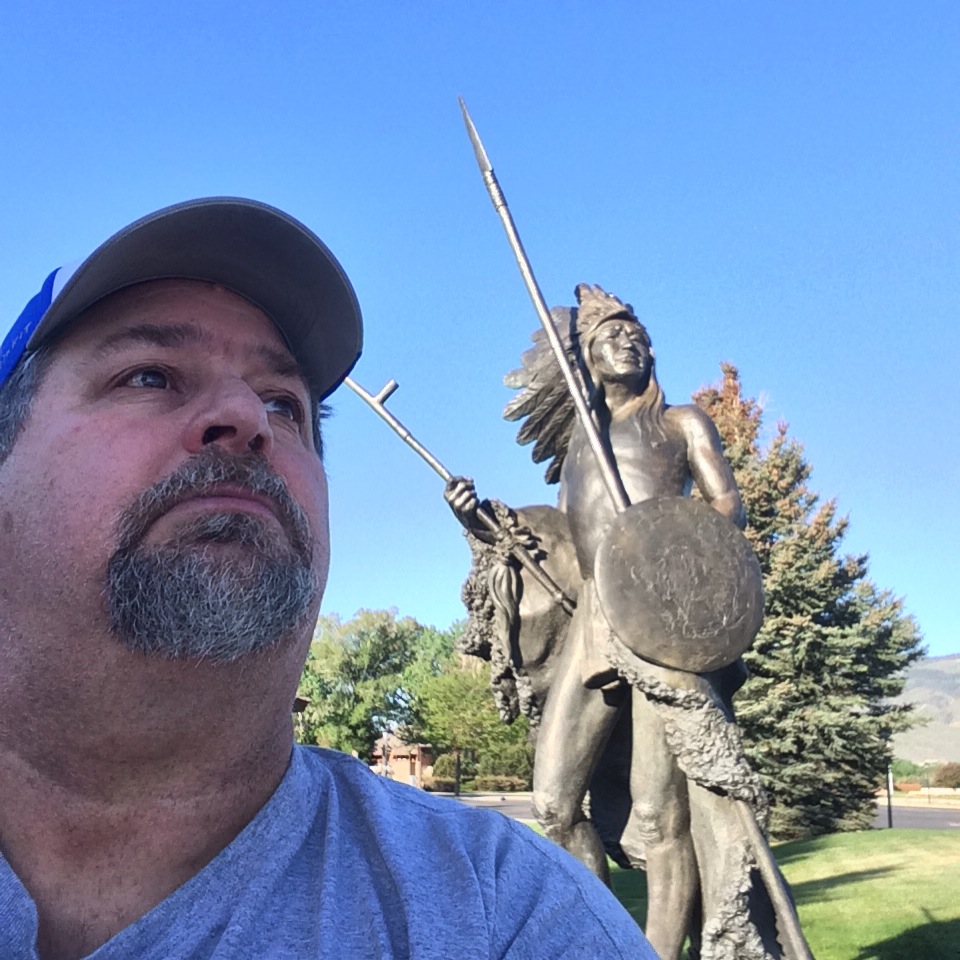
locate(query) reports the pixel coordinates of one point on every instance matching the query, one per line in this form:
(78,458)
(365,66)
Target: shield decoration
(679,584)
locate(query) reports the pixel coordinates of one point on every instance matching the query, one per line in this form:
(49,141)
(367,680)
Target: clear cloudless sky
(776,185)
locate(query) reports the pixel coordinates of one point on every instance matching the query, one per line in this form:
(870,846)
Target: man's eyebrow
(279,361)
(176,335)
(151,334)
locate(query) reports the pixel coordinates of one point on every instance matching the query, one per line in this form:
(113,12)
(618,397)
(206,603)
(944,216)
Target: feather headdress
(595,305)
(544,402)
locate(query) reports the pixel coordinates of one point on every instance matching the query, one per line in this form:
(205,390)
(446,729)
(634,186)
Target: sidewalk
(482,799)
(926,801)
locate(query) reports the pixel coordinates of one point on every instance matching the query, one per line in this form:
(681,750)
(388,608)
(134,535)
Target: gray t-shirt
(345,865)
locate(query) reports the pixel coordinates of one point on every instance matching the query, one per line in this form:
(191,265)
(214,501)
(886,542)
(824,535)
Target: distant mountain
(933,686)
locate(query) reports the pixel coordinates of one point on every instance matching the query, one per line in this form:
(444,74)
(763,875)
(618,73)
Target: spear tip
(482,159)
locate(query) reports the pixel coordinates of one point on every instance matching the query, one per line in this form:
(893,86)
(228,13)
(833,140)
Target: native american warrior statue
(637,752)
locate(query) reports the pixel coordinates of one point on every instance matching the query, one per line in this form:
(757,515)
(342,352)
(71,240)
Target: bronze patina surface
(679,584)
(637,753)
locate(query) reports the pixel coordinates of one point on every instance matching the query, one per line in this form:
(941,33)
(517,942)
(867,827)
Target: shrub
(947,776)
(500,783)
(907,770)
(438,784)
(445,766)
(508,760)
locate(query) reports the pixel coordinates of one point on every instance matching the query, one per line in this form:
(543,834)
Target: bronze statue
(610,720)
(616,620)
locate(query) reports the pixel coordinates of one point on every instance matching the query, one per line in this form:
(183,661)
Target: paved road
(904,818)
(919,818)
(517,807)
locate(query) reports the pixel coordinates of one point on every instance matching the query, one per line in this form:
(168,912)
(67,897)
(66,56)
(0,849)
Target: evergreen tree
(815,713)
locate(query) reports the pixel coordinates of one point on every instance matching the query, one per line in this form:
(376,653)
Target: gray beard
(228,585)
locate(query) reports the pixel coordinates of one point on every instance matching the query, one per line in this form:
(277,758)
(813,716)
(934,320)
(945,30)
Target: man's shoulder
(445,855)
(390,820)
(352,784)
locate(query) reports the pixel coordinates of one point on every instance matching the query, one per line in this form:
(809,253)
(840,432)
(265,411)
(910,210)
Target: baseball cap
(255,250)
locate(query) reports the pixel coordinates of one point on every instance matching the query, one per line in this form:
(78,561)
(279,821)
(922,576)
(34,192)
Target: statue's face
(618,353)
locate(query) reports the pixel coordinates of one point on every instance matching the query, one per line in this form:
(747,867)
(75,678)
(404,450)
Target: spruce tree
(815,713)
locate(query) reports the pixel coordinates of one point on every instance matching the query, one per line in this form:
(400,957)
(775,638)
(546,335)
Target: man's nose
(232,415)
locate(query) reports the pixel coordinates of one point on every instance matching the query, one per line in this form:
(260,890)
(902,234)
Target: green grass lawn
(877,895)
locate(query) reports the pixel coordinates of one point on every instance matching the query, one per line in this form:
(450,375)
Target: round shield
(679,584)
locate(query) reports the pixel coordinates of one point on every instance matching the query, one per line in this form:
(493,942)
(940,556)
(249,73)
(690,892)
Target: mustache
(201,475)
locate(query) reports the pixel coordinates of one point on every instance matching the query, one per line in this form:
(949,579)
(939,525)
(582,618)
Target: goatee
(227,584)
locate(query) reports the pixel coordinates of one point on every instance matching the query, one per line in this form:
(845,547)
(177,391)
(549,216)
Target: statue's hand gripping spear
(377,402)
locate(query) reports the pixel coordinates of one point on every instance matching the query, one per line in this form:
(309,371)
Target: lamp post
(889,797)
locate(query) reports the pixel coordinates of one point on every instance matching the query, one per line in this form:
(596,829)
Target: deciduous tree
(455,712)
(361,676)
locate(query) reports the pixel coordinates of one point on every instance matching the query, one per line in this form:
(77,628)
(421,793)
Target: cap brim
(255,250)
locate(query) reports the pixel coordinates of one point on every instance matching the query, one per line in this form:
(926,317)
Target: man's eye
(150,378)
(285,407)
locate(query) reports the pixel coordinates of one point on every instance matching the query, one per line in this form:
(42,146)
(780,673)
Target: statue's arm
(461,495)
(711,472)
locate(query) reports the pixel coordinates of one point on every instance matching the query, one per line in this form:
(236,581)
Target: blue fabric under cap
(15,342)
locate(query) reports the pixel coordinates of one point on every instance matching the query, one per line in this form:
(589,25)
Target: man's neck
(117,793)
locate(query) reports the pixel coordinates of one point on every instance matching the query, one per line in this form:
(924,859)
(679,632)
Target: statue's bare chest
(651,463)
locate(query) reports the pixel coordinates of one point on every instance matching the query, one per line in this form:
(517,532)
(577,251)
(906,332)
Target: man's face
(617,353)
(167,477)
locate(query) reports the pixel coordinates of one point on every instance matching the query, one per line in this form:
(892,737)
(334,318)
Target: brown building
(404,762)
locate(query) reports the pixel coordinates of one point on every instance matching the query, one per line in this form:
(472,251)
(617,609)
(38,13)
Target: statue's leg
(575,726)
(660,821)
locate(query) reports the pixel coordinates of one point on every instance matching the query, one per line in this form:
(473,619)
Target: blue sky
(771,184)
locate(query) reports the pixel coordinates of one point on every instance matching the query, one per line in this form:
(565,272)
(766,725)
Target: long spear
(378,403)
(608,471)
(793,938)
